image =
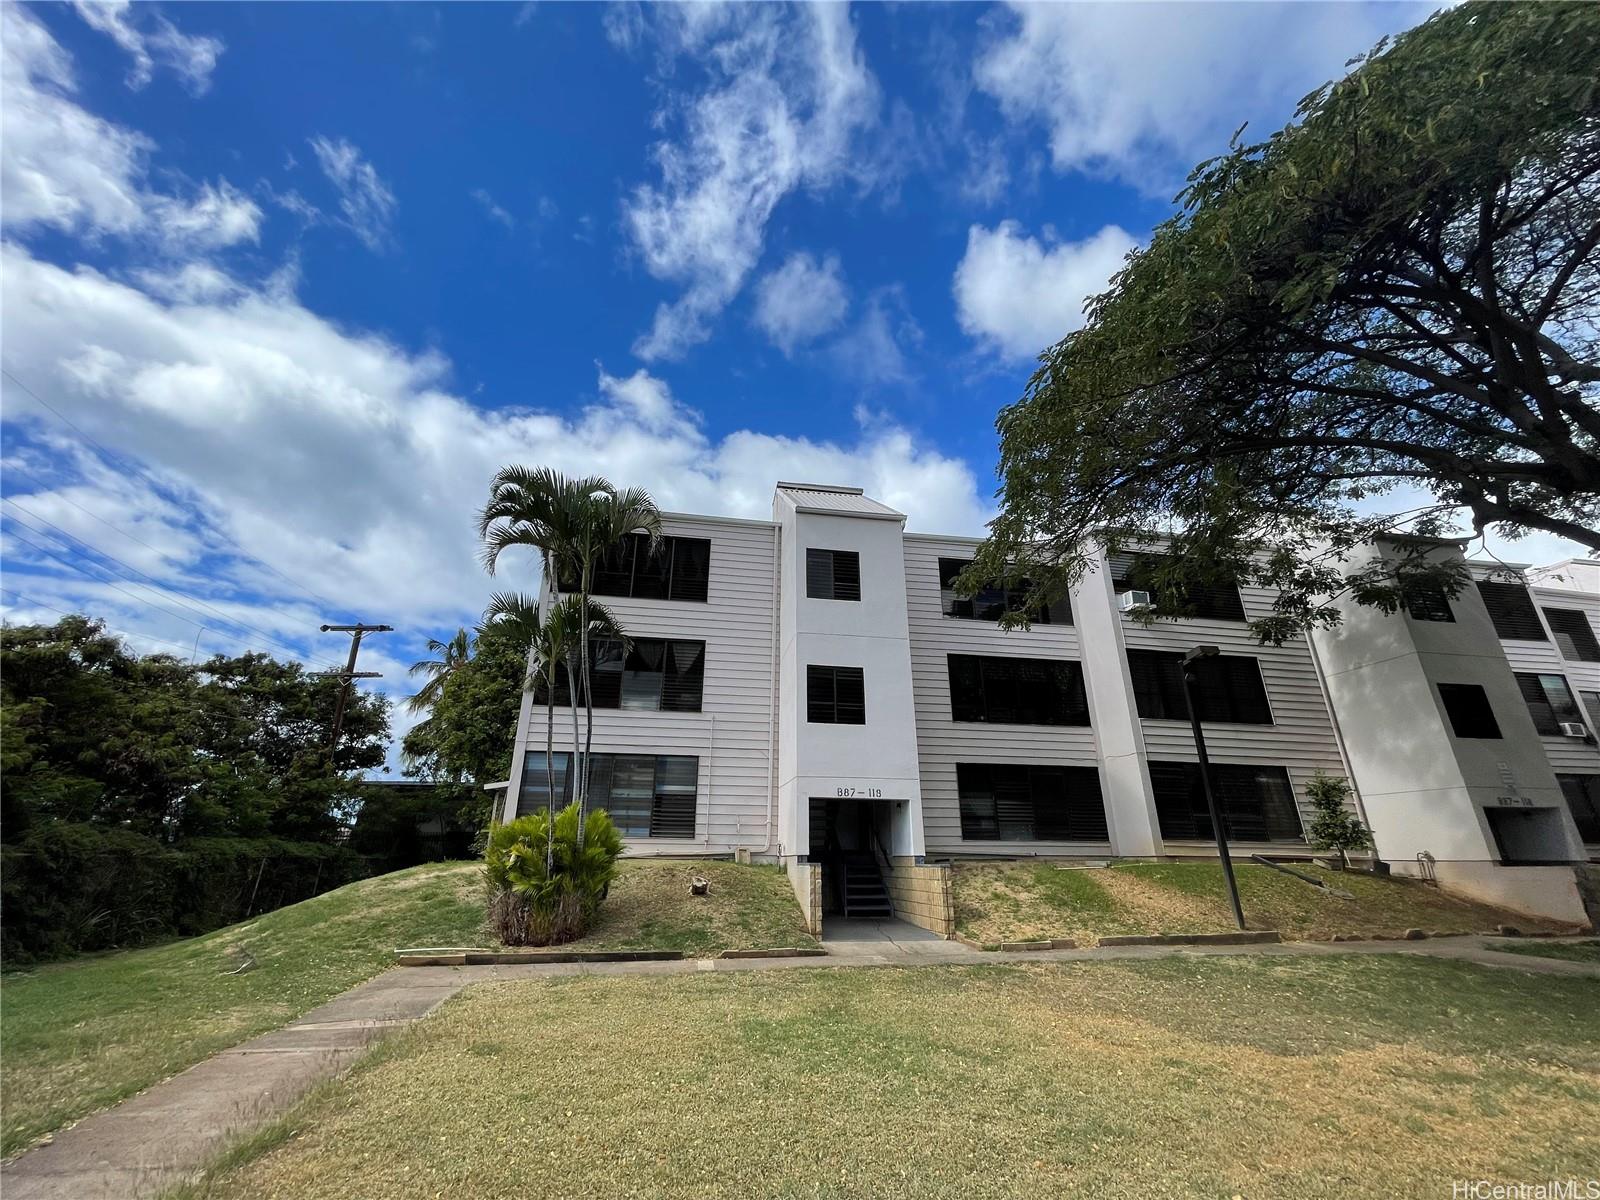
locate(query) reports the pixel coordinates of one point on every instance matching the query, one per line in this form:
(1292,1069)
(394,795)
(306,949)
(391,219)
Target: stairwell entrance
(848,837)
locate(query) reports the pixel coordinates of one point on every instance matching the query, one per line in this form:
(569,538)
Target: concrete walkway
(166,1134)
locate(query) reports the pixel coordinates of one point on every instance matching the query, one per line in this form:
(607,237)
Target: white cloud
(347,462)
(65,168)
(787,100)
(364,198)
(1020,295)
(492,207)
(1144,91)
(872,352)
(191,58)
(801,300)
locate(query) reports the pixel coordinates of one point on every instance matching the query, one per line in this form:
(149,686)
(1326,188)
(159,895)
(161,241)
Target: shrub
(532,906)
(1334,827)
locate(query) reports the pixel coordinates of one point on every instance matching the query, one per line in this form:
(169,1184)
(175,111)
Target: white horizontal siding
(731,735)
(1568,756)
(942,742)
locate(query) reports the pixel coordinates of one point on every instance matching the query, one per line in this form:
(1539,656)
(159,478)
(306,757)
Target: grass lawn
(998,902)
(81,1035)
(1341,1076)
(1584,952)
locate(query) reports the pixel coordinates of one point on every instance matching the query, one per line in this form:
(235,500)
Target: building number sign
(862,793)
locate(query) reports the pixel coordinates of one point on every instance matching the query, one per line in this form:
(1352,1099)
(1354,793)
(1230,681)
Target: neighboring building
(811,691)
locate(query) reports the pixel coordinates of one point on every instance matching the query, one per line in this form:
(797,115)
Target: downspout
(772,698)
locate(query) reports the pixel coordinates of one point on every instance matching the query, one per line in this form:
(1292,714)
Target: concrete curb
(1249,937)
(778,952)
(502,958)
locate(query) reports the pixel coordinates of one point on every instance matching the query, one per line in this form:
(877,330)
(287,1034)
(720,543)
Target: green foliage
(535,904)
(1398,294)
(124,773)
(1334,827)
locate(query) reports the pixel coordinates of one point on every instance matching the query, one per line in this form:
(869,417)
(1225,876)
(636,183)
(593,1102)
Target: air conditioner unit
(1132,600)
(1575,729)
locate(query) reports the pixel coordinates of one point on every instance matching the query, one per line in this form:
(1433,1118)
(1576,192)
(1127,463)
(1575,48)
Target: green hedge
(69,889)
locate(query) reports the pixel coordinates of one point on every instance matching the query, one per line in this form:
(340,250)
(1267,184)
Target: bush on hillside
(543,894)
(1334,827)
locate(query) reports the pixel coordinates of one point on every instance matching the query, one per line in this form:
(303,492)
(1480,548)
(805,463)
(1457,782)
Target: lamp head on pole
(1200,652)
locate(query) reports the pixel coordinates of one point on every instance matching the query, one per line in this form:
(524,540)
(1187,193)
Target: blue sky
(297,278)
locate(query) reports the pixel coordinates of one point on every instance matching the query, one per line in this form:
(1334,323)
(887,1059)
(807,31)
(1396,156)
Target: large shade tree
(1382,319)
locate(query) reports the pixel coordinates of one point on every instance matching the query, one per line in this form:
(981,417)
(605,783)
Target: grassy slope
(81,1035)
(1583,952)
(84,1034)
(1014,901)
(1343,1076)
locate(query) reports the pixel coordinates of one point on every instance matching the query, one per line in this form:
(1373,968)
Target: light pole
(1189,661)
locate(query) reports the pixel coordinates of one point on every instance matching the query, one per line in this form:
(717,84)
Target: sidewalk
(164,1135)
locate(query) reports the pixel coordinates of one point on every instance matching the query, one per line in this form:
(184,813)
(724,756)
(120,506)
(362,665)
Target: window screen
(647,795)
(1214,601)
(836,695)
(1257,803)
(1574,635)
(1228,688)
(1511,609)
(652,675)
(833,575)
(1583,798)
(1550,702)
(1017,691)
(1467,706)
(993,603)
(1429,604)
(1015,803)
(675,568)
(1591,706)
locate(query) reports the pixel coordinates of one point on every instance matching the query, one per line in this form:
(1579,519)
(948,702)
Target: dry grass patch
(1343,1076)
(1010,901)
(650,907)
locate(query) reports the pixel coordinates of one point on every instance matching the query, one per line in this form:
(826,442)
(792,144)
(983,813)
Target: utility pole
(1190,661)
(356,632)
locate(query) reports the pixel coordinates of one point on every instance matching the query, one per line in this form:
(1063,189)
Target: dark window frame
(1026,802)
(1549,707)
(1574,635)
(833,574)
(1467,708)
(1512,611)
(835,695)
(664,815)
(1582,793)
(1430,604)
(610,673)
(994,603)
(1211,602)
(1157,677)
(1006,690)
(678,569)
(1258,803)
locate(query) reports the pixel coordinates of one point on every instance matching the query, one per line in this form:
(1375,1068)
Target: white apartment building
(810,691)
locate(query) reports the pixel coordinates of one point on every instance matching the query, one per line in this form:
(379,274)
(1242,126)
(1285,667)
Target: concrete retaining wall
(921,895)
(806,878)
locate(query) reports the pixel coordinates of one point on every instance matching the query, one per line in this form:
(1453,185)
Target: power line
(167,591)
(313,594)
(61,612)
(113,584)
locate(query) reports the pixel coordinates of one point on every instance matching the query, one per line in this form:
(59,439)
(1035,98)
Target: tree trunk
(588,699)
(550,770)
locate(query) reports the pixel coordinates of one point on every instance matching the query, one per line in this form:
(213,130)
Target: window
(1257,803)
(836,696)
(1467,706)
(1583,798)
(1550,702)
(833,575)
(647,795)
(1013,803)
(1017,691)
(1591,705)
(1228,688)
(1574,636)
(1430,604)
(1510,608)
(992,603)
(1214,601)
(652,676)
(676,568)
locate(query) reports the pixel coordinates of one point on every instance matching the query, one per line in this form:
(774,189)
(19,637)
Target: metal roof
(824,498)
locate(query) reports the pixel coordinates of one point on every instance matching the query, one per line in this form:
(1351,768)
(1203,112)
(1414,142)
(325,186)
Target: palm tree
(572,523)
(451,655)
